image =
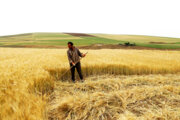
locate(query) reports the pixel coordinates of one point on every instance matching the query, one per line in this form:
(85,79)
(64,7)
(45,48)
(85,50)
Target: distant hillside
(82,39)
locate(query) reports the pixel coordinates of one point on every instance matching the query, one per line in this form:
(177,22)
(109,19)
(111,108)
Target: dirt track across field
(80,34)
(101,46)
(94,46)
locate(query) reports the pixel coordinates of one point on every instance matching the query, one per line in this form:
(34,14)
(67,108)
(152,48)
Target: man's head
(70,45)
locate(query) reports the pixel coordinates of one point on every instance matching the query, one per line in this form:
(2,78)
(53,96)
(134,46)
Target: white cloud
(141,17)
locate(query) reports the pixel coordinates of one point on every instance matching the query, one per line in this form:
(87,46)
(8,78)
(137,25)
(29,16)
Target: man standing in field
(73,54)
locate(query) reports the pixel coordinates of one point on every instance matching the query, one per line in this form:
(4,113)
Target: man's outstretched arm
(80,54)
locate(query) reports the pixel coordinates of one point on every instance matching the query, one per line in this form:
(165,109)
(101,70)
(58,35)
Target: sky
(136,17)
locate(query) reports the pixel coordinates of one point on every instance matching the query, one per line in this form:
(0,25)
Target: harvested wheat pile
(121,97)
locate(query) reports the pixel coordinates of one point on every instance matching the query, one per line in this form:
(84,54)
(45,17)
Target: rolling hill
(81,39)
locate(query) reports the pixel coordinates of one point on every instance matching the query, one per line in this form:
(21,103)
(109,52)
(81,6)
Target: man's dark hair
(70,43)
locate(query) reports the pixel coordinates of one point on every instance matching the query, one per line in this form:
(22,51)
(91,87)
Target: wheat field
(119,84)
(145,97)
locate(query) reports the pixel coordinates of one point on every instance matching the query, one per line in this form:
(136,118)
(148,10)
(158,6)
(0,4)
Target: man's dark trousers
(78,68)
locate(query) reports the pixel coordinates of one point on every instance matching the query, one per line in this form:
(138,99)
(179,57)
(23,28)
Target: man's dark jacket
(73,55)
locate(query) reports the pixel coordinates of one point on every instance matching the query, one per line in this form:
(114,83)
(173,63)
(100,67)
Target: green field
(61,39)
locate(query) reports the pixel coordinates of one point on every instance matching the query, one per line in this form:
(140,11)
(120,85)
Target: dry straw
(27,76)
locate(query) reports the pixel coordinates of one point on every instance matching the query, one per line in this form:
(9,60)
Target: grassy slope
(140,40)
(52,39)
(61,39)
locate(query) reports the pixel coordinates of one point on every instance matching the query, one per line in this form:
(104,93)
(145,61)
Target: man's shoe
(74,81)
(82,80)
